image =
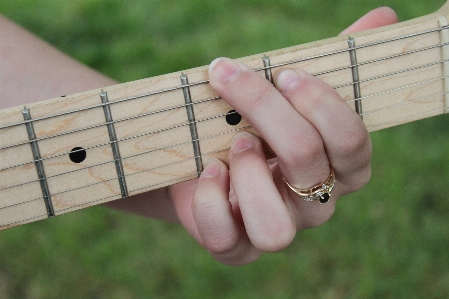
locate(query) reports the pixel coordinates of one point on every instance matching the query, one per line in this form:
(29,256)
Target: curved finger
(294,140)
(220,233)
(268,222)
(345,137)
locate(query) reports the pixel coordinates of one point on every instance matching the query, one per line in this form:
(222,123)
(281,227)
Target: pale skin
(240,210)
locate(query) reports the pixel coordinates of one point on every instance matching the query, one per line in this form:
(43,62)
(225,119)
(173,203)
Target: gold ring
(320,192)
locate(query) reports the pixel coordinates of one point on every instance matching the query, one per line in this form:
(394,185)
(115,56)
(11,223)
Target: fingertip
(287,80)
(243,141)
(213,168)
(222,70)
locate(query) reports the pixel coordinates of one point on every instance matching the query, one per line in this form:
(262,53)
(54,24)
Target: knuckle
(221,243)
(360,179)
(276,239)
(356,142)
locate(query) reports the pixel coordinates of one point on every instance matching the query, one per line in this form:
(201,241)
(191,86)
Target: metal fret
(266,65)
(445,54)
(114,144)
(355,77)
(192,124)
(38,162)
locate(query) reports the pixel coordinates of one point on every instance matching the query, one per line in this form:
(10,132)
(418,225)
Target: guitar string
(402,87)
(194,175)
(405,103)
(189,123)
(381,59)
(211,136)
(132,156)
(415,116)
(217,97)
(105,199)
(257,69)
(393,73)
(115,178)
(118,140)
(151,187)
(166,183)
(110,122)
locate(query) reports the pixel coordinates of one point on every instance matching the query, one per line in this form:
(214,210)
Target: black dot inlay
(233,118)
(77,155)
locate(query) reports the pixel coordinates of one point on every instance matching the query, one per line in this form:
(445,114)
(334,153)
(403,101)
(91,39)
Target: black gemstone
(324,198)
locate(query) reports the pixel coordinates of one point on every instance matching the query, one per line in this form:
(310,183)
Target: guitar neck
(72,152)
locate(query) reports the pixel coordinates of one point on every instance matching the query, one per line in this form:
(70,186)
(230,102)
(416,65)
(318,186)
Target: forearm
(32,70)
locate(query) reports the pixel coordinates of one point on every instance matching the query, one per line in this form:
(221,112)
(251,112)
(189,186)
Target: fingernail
(212,169)
(222,69)
(242,142)
(287,80)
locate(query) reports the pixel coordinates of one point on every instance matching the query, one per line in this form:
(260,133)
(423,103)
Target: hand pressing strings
(239,212)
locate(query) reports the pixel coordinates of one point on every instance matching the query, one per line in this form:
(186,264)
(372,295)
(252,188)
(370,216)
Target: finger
(220,233)
(345,137)
(268,222)
(381,16)
(294,140)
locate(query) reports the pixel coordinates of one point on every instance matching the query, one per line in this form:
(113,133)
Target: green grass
(387,241)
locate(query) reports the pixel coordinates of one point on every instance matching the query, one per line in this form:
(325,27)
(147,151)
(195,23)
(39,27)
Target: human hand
(240,212)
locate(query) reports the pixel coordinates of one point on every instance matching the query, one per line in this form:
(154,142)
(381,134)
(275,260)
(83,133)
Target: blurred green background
(390,240)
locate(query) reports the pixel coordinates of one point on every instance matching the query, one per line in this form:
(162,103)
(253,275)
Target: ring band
(320,192)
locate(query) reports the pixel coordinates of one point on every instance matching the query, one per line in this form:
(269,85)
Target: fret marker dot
(233,118)
(77,155)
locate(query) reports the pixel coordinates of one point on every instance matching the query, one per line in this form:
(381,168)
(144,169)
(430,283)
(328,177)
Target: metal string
(217,97)
(132,156)
(211,136)
(222,115)
(207,81)
(120,140)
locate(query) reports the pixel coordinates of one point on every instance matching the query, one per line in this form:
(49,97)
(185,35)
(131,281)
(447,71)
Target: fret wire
(257,69)
(217,97)
(393,73)
(132,156)
(114,145)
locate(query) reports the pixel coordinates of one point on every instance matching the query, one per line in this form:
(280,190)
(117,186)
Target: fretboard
(76,151)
